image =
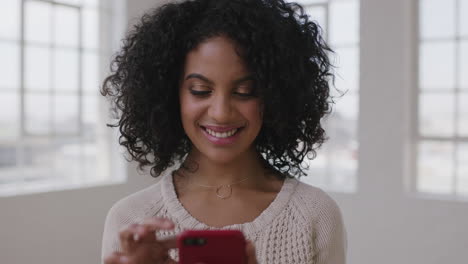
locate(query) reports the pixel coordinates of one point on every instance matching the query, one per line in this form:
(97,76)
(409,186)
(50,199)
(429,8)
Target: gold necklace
(223,191)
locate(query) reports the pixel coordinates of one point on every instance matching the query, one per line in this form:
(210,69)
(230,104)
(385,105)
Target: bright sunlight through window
(335,167)
(442,127)
(52,135)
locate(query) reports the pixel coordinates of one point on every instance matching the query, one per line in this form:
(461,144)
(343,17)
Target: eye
(246,95)
(200,90)
(245,91)
(199,93)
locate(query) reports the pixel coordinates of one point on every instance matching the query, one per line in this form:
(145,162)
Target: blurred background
(396,161)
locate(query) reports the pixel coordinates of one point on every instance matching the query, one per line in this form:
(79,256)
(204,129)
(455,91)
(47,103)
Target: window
(441,132)
(336,163)
(52,135)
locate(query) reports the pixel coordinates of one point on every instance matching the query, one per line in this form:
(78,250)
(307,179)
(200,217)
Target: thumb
(250,253)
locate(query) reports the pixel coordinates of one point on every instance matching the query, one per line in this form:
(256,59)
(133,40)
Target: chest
(222,212)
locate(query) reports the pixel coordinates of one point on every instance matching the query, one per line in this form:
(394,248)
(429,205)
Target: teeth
(221,134)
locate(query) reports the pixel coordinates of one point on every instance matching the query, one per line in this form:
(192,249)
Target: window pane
(436,114)
(37,114)
(90,29)
(463,71)
(463,17)
(462,186)
(463,115)
(343,119)
(90,115)
(344,158)
(437,65)
(52,72)
(342,148)
(71,2)
(10,14)
(344,22)
(317,14)
(67,162)
(9,65)
(347,71)
(317,173)
(91,80)
(336,162)
(66,22)
(37,68)
(38,21)
(8,161)
(93,3)
(437,18)
(66,66)
(91,161)
(66,114)
(306,2)
(9,116)
(435,167)
(38,159)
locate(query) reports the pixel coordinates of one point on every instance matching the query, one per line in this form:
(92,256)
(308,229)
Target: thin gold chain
(230,184)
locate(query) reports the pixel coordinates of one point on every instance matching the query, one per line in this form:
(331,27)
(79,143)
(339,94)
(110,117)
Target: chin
(222,157)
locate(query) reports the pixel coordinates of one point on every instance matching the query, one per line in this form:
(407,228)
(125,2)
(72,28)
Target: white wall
(385,225)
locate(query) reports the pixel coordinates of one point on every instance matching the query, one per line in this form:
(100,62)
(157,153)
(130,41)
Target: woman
(234,92)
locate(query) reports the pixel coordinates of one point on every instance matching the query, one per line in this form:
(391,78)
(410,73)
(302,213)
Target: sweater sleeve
(115,221)
(131,209)
(330,237)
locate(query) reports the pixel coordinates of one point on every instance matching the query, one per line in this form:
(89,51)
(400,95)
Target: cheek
(190,110)
(184,109)
(254,113)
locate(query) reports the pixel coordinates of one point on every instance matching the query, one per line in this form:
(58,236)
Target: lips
(221,129)
(224,134)
(221,134)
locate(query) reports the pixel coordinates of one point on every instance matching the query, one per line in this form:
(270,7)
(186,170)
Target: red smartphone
(211,246)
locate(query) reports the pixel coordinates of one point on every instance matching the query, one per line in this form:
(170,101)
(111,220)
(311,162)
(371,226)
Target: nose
(220,109)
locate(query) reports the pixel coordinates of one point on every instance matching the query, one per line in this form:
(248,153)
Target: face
(220,111)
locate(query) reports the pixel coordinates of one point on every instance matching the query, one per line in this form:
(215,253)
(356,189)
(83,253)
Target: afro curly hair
(282,47)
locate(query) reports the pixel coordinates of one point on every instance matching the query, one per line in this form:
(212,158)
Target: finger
(250,253)
(127,236)
(169,242)
(160,249)
(116,258)
(159,223)
(147,230)
(170,261)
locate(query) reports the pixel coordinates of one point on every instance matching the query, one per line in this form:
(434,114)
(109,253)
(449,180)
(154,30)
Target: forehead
(215,57)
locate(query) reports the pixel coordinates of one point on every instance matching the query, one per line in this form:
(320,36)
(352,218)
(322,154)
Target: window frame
(114,166)
(417,138)
(325,150)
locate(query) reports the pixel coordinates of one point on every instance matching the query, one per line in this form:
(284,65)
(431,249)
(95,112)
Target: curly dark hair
(282,48)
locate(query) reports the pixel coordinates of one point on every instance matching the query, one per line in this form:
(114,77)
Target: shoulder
(133,208)
(138,205)
(315,204)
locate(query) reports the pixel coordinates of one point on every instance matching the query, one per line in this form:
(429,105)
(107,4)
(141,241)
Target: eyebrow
(205,79)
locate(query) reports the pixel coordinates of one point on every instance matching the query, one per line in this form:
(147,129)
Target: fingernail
(167,224)
(140,230)
(136,237)
(124,259)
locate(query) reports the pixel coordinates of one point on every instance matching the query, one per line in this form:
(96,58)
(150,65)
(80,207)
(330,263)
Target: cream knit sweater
(302,225)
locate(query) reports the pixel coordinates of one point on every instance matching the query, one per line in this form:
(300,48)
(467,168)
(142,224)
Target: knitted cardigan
(302,224)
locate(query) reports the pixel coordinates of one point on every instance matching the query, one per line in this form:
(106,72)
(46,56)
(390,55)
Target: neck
(204,171)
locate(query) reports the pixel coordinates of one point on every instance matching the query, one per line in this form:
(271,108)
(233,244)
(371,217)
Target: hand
(250,253)
(140,245)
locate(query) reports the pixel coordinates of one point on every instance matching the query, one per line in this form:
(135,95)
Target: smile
(225,134)
(221,135)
